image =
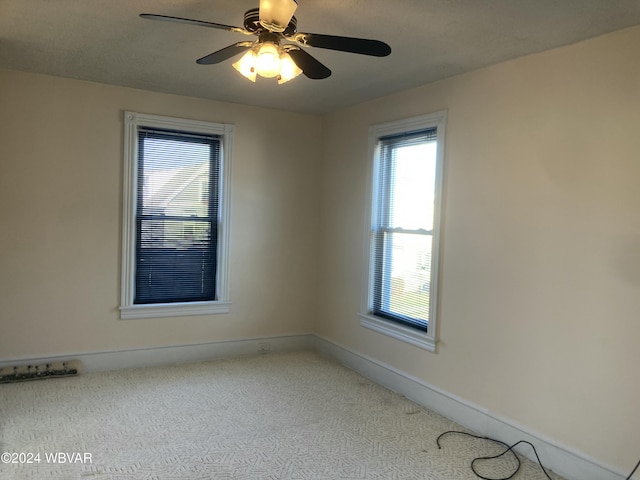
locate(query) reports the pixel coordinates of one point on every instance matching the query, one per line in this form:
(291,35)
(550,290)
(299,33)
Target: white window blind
(176,216)
(403,227)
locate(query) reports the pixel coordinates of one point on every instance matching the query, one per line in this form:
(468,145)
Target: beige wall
(540,296)
(61,146)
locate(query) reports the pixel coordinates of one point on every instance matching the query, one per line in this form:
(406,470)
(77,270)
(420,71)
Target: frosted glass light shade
(288,69)
(276,14)
(246,65)
(268,60)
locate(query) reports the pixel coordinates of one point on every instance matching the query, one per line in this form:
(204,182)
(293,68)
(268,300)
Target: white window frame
(429,339)
(222,304)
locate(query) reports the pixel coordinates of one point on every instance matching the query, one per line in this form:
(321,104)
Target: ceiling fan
(277,51)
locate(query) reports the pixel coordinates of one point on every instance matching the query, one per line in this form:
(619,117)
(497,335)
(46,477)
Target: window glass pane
(176,217)
(403,237)
(176,178)
(405,275)
(411,199)
(166,275)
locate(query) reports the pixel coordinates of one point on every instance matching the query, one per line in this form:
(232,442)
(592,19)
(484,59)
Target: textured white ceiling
(106,41)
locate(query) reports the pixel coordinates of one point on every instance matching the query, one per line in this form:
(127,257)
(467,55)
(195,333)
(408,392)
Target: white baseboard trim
(563,460)
(172,354)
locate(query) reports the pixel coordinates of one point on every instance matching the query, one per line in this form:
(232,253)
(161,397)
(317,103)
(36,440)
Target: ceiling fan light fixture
(275,15)
(247,65)
(288,69)
(273,22)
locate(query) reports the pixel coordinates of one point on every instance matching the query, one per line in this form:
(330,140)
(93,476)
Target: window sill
(399,332)
(173,310)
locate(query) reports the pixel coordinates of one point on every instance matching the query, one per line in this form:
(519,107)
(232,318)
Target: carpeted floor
(269,417)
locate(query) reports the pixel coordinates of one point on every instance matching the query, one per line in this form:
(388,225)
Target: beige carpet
(269,417)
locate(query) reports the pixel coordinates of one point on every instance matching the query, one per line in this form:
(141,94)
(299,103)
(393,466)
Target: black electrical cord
(508,448)
(633,471)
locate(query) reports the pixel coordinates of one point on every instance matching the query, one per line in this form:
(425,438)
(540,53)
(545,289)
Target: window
(403,232)
(176,225)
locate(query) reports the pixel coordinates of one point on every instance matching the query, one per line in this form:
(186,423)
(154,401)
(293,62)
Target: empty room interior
(528,298)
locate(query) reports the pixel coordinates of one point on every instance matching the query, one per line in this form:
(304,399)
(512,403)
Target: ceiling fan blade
(275,15)
(188,21)
(363,46)
(224,54)
(311,67)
